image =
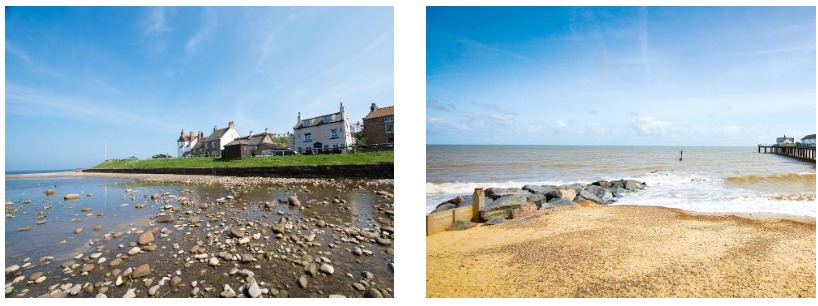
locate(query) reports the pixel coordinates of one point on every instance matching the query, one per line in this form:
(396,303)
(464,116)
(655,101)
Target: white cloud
(596,128)
(731,130)
(502,119)
(650,126)
(559,125)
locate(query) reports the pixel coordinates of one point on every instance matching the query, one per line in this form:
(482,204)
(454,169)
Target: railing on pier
(800,152)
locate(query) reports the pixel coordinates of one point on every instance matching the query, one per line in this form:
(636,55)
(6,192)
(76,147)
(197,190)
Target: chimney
(251,133)
(299,117)
(214,128)
(373,107)
(191,134)
(183,133)
(201,135)
(231,125)
(265,130)
(342,107)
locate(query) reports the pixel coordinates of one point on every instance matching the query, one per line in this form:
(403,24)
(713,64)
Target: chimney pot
(373,107)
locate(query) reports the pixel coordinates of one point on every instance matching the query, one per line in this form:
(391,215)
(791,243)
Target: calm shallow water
(709,179)
(56,237)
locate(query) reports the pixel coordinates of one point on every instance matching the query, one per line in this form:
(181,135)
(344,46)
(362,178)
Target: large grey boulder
(603,184)
(503,207)
(590,197)
(543,189)
(496,193)
(444,207)
(577,187)
(633,185)
(561,193)
(617,191)
(495,221)
(603,194)
(557,202)
(536,198)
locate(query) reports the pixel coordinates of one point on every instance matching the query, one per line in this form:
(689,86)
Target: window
(308,137)
(388,119)
(389,127)
(334,134)
(306,122)
(327,118)
(390,139)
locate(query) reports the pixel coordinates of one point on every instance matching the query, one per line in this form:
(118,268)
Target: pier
(806,153)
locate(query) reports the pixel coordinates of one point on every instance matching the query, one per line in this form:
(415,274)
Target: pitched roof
(217,134)
(316,121)
(381,112)
(188,137)
(253,140)
(810,136)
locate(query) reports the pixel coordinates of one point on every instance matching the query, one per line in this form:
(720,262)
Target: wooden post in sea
(478,200)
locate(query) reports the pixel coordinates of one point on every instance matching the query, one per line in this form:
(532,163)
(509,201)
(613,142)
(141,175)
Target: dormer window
(327,118)
(306,123)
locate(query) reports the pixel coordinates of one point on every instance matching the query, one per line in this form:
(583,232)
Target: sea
(707,179)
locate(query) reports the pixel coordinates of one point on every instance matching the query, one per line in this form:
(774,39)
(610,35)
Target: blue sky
(619,76)
(137,76)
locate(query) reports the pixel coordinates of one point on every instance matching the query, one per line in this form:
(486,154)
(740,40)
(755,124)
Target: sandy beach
(625,251)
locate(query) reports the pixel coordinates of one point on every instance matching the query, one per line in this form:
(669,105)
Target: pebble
(115,263)
(134,251)
(373,293)
(87,268)
(326,269)
(130,294)
(228,292)
(142,271)
(303,282)
(146,238)
(254,291)
(152,290)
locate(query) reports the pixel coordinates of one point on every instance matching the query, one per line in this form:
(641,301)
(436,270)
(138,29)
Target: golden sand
(625,251)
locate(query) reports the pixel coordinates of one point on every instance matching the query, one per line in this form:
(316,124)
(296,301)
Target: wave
(658,178)
(775,182)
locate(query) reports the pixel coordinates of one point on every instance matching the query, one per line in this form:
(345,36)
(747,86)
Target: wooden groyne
(799,152)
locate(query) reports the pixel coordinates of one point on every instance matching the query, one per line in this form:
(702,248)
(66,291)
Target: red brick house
(379,125)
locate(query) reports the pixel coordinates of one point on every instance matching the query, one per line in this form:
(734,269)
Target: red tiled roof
(381,112)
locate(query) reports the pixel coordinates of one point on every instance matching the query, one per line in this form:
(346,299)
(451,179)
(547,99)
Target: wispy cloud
(153,26)
(441,106)
(643,39)
(649,126)
(209,20)
(27,101)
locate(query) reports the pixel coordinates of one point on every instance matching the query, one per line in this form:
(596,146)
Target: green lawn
(272,161)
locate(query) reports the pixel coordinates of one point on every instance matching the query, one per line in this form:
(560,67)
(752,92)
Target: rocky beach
(593,250)
(137,235)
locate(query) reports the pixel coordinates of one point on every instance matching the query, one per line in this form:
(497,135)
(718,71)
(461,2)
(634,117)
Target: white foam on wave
(692,192)
(734,205)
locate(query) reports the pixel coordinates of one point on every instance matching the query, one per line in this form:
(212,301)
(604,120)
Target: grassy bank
(273,161)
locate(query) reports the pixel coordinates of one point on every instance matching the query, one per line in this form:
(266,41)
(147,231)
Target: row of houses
(329,133)
(807,141)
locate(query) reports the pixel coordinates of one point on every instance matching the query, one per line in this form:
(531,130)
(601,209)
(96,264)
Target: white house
(185,143)
(213,145)
(785,141)
(322,134)
(808,140)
